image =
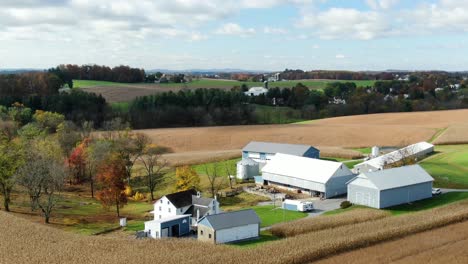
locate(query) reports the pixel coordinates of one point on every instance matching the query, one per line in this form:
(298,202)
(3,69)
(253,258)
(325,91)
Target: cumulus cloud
(274,31)
(337,23)
(235,29)
(382,4)
(340,56)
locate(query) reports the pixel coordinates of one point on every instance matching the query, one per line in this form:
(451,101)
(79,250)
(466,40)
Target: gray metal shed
(264,150)
(385,188)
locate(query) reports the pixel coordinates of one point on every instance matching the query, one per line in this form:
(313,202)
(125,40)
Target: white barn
(417,150)
(256,91)
(229,227)
(385,188)
(313,176)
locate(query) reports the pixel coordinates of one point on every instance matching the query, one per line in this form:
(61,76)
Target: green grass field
(212,83)
(265,236)
(448,166)
(270,215)
(430,203)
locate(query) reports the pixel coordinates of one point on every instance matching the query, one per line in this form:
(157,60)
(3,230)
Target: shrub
(345,204)
(138,196)
(128,191)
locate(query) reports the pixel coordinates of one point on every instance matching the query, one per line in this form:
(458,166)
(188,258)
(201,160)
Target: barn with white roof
(313,176)
(416,151)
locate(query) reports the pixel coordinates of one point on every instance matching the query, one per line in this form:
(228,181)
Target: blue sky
(247,34)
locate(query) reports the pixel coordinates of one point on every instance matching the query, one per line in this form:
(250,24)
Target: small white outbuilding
(247,169)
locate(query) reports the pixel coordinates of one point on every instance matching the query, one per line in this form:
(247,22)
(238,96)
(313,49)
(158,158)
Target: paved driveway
(322,206)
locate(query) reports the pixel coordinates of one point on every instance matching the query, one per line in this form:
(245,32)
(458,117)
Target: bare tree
(130,148)
(43,175)
(96,153)
(229,173)
(214,178)
(154,166)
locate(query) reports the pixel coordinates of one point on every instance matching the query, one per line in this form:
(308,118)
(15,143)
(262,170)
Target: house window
(160,208)
(161,201)
(167,202)
(201,232)
(214,207)
(209,235)
(160,217)
(169,210)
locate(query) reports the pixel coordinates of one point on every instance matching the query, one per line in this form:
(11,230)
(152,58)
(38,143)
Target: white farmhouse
(176,213)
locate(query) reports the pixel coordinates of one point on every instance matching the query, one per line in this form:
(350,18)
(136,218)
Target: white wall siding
(405,194)
(363,194)
(237,233)
(294,182)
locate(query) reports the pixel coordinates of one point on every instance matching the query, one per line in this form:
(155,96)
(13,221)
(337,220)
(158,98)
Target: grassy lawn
(277,115)
(211,83)
(351,164)
(436,201)
(221,167)
(270,215)
(449,166)
(241,201)
(265,236)
(364,150)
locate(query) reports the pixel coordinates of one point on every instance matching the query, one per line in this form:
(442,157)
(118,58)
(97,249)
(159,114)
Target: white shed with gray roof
(386,188)
(229,227)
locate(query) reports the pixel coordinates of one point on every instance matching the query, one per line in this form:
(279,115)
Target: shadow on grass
(430,203)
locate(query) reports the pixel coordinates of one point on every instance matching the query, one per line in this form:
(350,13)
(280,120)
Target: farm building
(181,211)
(263,151)
(247,169)
(256,91)
(415,151)
(229,227)
(313,176)
(385,188)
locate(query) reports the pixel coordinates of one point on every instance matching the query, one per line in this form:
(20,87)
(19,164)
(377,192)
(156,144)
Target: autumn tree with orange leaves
(111,182)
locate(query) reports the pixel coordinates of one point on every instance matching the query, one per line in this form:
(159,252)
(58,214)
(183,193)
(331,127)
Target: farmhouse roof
(397,155)
(232,219)
(315,170)
(269,147)
(201,200)
(397,177)
(181,199)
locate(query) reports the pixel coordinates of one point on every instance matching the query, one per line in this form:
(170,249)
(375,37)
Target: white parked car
(436,191)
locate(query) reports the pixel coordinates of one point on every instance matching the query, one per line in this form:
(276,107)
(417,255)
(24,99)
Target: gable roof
(397,155)
(397,177)
(269,147)
(181,199)
(201,200)
(315,170)
(231,219)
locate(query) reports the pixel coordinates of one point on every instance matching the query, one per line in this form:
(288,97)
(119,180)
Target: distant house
(312,176)
(229,227)
(256,91)
(263,151)
(381,189)
(417,150)
(175,214)
(337,101)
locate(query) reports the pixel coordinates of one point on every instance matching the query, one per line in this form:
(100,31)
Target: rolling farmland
(334,136)
(121,92)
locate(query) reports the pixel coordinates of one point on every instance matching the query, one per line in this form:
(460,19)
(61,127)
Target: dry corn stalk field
(456,134)
(26,242)
(334,136)
(307,225)
(443,245)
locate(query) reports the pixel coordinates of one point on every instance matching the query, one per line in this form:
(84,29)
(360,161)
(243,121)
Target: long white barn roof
(397,155)
(309,169)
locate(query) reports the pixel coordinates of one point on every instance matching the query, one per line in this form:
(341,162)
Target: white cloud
(382,4)
(274,31)
(235,29)
(316,46)
(340,56)
(337,23)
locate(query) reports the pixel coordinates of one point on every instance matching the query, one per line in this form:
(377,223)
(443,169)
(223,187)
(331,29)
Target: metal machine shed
(381,189)
(309,175)
(417,150)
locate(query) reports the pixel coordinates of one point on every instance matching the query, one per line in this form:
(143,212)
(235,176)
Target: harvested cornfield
(332,135)
(26,242)
(456,134)
(338,152)
(307,225)
(443,245)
